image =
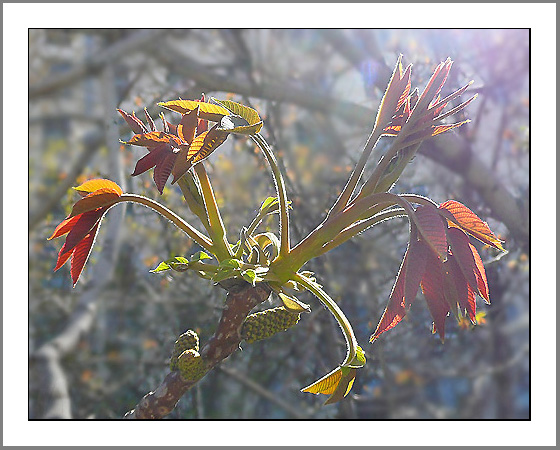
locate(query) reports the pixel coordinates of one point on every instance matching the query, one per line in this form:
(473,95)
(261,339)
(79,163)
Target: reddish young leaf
(82,227)
(133,122)
(457,288)
(163,170)
(415,268)
(64,227)
(97,199)
(434,85)
(81,254)
(151,139)
(62,258)
(395,95)
(463,255)
(471,223)
(149,120)
(470,305)
(481,280)
(395,310)
(156,155)
(432,229)
(432,287)
(186,130)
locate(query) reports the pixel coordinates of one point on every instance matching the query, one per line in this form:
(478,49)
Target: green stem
(280,191)
(192,232)
(217,231)
(194,200)
(353,230)
(348,190)
(351,342)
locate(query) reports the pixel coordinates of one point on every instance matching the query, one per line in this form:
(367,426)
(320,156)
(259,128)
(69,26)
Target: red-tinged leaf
(97,199)
(433,289)
(151,139)
(435,83)
(395,95)
(64,227)
(456,286)
(471,223)
(202,146)
(463,255)
(83,226)
(481,280)
(182,165)
(62,258)
(470,305)
(163,170)
(202,126)
(133,122)
(207,111)
(432,229)
(151,159)
(186,130)
(395,310)
(81,254)
(165,123)
(439,129)
(149,120)
(99,183)
(415,268)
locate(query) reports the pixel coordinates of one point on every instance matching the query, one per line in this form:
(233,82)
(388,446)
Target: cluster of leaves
(439,259)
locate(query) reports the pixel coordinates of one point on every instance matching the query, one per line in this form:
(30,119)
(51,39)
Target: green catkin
(190,365)
(187,341)
(265,324)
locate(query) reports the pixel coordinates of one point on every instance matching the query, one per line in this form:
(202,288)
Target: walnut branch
(240,300)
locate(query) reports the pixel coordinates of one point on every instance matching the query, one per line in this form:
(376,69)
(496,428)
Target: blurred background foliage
(97,349)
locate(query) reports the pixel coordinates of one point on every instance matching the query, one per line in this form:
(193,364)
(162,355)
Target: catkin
(265,324)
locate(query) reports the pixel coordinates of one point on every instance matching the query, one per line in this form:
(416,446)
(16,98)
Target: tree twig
(240,300)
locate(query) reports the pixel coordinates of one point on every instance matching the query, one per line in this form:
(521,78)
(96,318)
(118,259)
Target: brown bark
(240,300)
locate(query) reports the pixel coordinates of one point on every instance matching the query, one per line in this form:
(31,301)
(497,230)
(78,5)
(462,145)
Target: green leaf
(199,256)
(251,117)
(251,276)
(230,264)
(161,268)
(224,274)
(270,202)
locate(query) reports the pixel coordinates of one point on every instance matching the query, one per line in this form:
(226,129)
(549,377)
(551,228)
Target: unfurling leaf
(203,145)
(463,217)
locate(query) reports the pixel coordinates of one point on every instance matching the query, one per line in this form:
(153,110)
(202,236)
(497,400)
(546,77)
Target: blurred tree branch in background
(97,349)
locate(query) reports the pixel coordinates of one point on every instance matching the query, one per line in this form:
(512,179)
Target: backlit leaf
(480,273)
(95,184)
(81,228)
(64,227)
(325,385)
(432,229)
(471,223)
(253,121)
(162,266)
(151,139)
(133,122)
(207,111)
(460,247)
(204,144)
(97,199)
(81,254)
(432,287)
